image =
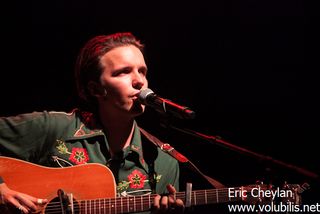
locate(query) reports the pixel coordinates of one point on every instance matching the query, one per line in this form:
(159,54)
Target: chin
(137,109)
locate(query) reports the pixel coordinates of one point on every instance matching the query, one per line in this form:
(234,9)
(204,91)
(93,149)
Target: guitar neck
(143,203)
(209,196)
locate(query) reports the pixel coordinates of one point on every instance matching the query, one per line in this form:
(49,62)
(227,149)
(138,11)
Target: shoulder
(62,114)
(75,115)
(40,115)
(43,119)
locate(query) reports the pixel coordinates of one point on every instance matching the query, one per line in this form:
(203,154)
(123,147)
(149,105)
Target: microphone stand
(217,140)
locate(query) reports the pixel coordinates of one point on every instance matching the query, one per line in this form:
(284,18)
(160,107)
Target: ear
(96,89)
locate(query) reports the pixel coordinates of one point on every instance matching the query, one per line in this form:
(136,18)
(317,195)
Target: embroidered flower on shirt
(157,178)
(62,148)
(123,185)
(77,155)
(136,179)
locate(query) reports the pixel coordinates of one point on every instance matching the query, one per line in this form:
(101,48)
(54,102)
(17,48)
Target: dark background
(247,68)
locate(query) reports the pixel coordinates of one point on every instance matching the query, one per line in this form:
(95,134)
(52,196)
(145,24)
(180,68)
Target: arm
(23,137)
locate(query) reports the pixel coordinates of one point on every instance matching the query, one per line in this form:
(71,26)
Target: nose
(138,80)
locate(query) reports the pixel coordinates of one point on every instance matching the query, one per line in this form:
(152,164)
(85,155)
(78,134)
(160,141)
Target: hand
(168,203)
(25,203)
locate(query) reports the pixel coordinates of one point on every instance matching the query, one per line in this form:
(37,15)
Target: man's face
(123,76)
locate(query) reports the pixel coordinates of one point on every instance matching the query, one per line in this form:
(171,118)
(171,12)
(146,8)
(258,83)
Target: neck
(119,131)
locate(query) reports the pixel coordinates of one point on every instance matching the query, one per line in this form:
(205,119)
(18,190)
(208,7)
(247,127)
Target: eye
(121,72)
(143,71)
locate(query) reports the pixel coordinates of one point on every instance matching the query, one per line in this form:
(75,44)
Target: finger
(156,204)
(18,205)
(164,203)
(41,201)
(27,201)
(179,206)
(24,209)
(2,201)
(175,205)
(179,203)
(171,189)
(171,200)
(172,195)
(37,201)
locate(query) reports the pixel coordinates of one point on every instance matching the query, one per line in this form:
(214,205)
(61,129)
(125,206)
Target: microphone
(164,106)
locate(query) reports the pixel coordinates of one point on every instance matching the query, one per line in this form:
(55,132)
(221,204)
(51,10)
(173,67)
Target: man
(110,73)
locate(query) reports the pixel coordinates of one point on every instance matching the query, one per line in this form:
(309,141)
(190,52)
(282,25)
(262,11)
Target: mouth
(135,99)
(135,96)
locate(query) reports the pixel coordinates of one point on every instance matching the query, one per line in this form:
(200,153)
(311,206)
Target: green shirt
(59,139)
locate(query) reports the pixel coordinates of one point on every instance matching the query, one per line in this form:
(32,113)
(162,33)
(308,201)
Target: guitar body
(87,181)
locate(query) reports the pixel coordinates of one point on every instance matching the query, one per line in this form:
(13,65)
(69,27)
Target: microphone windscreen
(144,93)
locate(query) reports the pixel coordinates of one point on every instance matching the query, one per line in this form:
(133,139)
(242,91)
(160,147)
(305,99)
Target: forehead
(123,55)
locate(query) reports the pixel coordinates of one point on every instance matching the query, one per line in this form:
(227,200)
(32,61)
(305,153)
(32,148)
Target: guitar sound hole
(54,207)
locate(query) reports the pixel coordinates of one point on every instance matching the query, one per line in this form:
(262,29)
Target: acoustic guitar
(91,189)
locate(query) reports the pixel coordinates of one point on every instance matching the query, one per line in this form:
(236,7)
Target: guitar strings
(144,203)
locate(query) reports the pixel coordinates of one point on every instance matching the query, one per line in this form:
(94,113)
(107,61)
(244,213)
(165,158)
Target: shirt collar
(88,126)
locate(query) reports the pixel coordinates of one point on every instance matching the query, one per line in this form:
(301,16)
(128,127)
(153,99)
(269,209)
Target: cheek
(146,83)
(116,85)
(118,89)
